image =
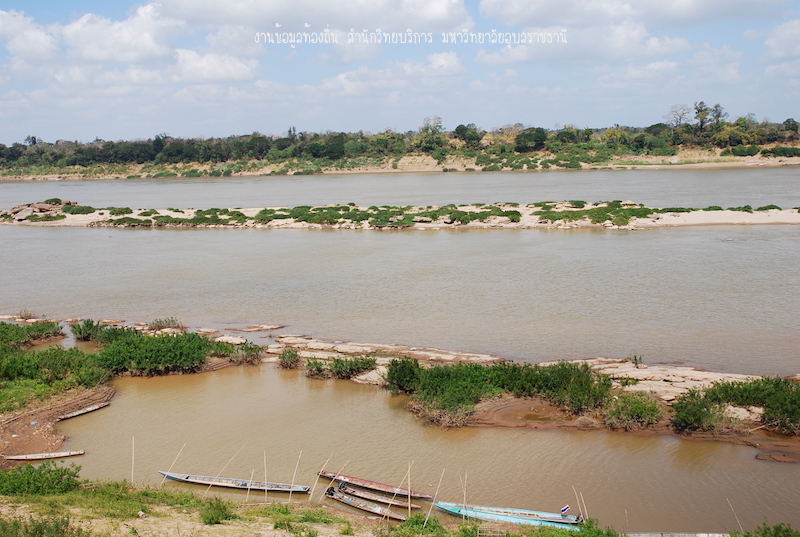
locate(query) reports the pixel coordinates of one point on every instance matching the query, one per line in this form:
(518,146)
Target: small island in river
(570,214)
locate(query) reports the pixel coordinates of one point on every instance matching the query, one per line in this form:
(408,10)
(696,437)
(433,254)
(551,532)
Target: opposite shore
(691,159)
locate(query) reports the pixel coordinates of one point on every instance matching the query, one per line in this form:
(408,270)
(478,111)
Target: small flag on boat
(565,509)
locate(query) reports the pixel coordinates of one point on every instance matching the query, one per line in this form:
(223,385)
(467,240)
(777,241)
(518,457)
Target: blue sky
(192,68)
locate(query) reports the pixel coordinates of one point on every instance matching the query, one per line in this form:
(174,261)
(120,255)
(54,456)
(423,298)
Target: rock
(233,340)
(422,219)
(320,346)
(353,349)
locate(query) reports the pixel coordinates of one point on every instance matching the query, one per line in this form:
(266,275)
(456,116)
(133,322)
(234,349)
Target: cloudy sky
(114,70)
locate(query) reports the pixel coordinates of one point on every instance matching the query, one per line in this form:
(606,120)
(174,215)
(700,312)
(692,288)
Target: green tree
(701,113)
(431,132)
(531,139)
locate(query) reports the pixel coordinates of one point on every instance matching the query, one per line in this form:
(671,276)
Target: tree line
(685,126)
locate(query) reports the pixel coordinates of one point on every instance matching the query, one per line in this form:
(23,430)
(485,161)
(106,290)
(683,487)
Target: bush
(119,211)
(77,209)
(216,510)
(346,368)
(316,368)
(47,478)
(694,411)
(632,411)
(763,530)
(289,359)
(402,375)
(43,527)
(768,208)
(87,330)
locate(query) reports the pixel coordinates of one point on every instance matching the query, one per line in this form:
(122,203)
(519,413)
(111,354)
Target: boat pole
(223,468)
(266,488)
(435,494)
(173,462)
(314,486)
(133,455)
(296,466)
(586,511)
(250,484)
(734,514)
(580,509)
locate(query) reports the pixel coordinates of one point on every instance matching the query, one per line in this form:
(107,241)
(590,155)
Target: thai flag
(565,509)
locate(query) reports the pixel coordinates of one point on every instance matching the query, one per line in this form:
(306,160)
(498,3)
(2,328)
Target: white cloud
(784,41)
(193,68)
(142,37)
(293,15)
(622,42)
(716,65)
(410,75)
(26,39)
(655,13)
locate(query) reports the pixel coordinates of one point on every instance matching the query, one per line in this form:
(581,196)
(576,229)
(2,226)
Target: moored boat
(233,483)
(396,501)
(364,505)
(525,513)
(82,411)
(374,485)
(466,512)
(43,456)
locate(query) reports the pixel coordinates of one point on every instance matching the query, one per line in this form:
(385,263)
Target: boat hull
(395,501)
(43,456)
(374,485)
(362,504)
(233,483)
(486,516)
(524,513)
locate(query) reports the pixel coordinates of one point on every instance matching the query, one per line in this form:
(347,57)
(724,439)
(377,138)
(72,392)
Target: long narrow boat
(374,485)
(396,501)
(43,456)
(233,483)
(82,411)
(364,505)
(525,513)
(460,511)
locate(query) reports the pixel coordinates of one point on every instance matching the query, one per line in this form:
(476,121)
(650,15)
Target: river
(720,298)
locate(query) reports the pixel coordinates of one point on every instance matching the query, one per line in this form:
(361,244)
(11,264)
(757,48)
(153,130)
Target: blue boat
(509,515)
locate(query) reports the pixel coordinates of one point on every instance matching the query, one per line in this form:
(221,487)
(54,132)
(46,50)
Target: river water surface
(721,298)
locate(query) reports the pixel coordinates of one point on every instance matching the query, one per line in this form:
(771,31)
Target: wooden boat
(85,410)
(233,483)
(537,515)
(466,512)
(364,505)
(396,501)
(373,485)
(43,456)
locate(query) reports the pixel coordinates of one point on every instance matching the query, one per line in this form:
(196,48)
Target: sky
(121,70)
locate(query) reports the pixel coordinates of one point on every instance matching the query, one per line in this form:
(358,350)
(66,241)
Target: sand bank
(525,219)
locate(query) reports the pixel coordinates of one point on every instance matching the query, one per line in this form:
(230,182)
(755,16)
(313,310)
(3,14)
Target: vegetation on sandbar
(447,395)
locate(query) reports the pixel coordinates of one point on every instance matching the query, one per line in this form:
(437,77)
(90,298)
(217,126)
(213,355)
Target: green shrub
(346,368)
(47,478)
(42,527)
(764,530)
(743,208)
(119,211)
(713,208)
(694,411)
(768,208)
(403,375)
(631,411)
(216,510)
(289,359)
(77,209)
(316,368)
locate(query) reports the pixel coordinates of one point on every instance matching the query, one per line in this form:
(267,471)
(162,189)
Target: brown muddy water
(229,421)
